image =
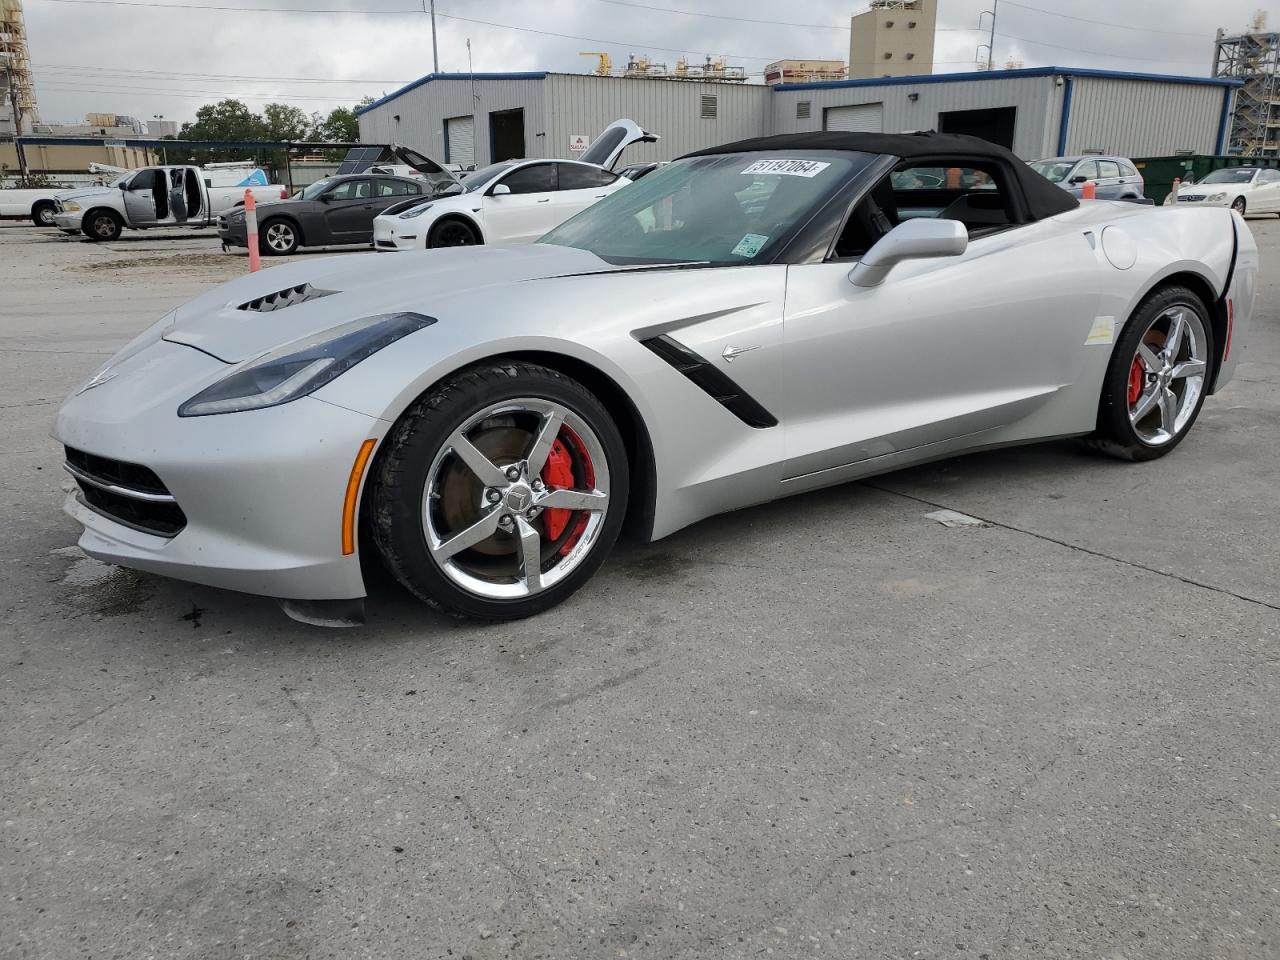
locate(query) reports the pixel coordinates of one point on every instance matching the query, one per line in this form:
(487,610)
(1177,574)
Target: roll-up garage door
(862,118)
(460,140)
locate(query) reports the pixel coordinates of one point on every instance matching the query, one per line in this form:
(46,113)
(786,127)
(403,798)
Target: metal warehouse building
(1046,111)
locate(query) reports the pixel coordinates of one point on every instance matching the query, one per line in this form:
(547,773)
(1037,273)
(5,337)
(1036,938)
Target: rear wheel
(500,492)
(102,225)
(1156,382)
(452,233)
(278,238)
(42,214)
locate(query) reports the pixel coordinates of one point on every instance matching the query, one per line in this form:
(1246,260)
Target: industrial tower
(1253,57)
(17,93)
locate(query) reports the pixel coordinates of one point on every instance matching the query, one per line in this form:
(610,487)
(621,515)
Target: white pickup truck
(160,196)
(37,204)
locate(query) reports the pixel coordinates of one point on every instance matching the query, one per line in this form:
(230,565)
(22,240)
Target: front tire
(1240,205)
(102,225)
(1156,381)
(452,233)
(500,492)
(278,238)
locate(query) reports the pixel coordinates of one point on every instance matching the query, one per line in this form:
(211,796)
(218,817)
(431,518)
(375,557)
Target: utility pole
(991,43)
(17,121)
(435,54)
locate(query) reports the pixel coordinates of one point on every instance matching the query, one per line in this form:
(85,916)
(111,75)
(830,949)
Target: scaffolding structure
(1253,57)
(18,90)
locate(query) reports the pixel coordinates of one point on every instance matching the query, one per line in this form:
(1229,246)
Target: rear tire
(42,213)
(452,233)
(102,225)
(278,238)
(1154,389)
(528,433)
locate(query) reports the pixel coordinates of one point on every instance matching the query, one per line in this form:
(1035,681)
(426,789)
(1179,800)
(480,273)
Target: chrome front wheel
(500,491)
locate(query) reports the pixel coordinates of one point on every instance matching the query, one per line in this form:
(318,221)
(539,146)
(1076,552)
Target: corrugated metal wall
(1032,96)
(579,104)
(423,110)
(1137,118)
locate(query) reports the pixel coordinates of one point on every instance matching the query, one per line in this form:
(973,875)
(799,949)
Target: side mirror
(325,197)
(921,239)
(500,190)
(123,184)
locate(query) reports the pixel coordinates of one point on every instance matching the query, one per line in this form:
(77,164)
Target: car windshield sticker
(788,168)
(750,245)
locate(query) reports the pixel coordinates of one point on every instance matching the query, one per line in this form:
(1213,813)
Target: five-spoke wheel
(1156,383)
(500,492)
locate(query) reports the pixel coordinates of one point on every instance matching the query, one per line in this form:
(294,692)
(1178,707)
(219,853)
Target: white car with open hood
(761,319)
(515,201)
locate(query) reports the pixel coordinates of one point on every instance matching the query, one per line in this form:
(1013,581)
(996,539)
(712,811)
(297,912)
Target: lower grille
(126,493)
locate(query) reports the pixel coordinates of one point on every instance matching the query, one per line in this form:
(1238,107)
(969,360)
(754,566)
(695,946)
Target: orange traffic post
(251,231)
(1089,191)
(1177,185)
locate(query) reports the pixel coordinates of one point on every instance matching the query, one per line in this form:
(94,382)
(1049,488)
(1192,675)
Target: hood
(246,318)
(86,192)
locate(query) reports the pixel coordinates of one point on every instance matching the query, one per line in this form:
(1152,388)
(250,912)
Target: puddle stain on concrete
(99,588)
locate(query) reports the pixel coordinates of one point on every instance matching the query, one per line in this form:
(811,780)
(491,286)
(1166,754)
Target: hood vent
(289,297)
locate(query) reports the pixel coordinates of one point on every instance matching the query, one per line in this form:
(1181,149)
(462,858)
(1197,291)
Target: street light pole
(17,121)
(435,54)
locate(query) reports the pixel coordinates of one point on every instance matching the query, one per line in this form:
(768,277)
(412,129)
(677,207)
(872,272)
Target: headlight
(415,212)
(302,367)
(70,206)
(1217,198)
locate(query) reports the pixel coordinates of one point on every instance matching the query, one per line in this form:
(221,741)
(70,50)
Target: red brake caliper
(1137,376)
(558,474)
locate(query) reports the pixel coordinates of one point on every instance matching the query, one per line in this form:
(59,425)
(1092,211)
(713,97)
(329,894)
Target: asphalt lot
(828,727)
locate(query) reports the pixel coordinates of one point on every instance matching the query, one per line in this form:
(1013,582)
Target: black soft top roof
(1043,198)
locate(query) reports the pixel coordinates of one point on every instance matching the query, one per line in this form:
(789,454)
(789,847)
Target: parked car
(1243,189)
(637,170)
(1114,177)
(398,161)
(515,201)
(152,197)
(330,212)
(495,414)
(35,204)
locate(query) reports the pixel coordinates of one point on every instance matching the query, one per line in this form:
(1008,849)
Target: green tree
(224,120)
(280,121)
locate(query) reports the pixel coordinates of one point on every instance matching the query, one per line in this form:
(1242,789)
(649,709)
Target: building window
(708,108)
(911,56)
(802,109)
(888,24)
(888,56)
(911,25)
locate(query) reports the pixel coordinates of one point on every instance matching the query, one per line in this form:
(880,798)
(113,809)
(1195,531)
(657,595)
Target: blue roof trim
(422,81)
(1012,74)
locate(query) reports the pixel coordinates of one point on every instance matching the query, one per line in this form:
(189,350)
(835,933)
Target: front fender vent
(290,297)
(712,381)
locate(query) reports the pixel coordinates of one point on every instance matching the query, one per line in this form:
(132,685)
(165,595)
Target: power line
(122,71)
(1096,53)
(69,86)
(1105,23)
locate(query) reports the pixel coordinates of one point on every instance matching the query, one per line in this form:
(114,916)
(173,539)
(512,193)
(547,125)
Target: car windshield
(477,179)
(1055,171)
(1238,175)
(317,188)
(724,209)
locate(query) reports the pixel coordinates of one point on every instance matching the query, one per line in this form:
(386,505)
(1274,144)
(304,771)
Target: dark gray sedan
(337,210)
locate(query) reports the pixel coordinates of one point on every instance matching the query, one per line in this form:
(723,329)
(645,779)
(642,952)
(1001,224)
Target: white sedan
(1243,189)
(515,201)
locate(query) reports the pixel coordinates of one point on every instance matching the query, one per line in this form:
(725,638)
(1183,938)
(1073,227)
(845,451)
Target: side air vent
(281,299)
(712,381)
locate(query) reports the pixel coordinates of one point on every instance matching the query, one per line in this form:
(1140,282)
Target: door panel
(140,199)
(349,214)
(527,212)
(942,349)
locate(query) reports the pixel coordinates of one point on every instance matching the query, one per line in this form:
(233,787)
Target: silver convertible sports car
(748,322)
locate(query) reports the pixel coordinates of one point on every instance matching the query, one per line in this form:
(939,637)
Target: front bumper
(68,221)
(385,237)
(262,491)
(233,233)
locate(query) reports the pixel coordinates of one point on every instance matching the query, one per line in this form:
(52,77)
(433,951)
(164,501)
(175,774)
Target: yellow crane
(605,66)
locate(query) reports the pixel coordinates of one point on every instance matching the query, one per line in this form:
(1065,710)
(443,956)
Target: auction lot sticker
(788,168)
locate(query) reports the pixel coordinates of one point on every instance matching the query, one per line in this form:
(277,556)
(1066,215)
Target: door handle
(547,200)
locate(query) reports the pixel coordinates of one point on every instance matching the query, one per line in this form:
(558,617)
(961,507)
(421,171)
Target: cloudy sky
(167,57)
